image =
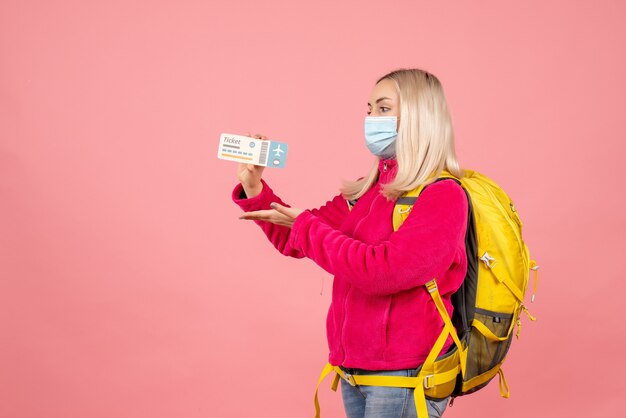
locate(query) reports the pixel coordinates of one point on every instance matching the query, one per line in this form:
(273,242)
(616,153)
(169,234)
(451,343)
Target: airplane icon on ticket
(277,150)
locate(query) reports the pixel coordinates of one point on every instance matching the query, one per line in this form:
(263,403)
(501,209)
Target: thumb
(282,209)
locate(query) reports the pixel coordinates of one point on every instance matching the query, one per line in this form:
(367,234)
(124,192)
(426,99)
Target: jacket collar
(387,168)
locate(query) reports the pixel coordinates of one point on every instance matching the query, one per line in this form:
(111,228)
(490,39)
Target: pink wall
(122,287)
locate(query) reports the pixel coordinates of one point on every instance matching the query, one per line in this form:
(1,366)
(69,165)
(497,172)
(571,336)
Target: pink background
(123,290)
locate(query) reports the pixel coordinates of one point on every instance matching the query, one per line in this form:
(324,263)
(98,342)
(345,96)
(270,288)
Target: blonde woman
(381,319)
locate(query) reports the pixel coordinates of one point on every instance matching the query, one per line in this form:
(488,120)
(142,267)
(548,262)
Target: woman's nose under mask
(381,135)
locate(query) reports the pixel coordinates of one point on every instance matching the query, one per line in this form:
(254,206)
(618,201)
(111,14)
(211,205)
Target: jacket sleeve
(332,214)
(423,248)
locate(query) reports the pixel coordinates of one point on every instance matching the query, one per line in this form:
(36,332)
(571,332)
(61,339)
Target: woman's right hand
(250,174)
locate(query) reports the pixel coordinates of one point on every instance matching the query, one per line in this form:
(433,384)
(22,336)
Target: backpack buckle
(429,381)
(431,286)
(487,259)
(349,378)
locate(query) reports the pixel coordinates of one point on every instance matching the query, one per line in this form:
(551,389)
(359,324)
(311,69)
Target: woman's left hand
(280,215)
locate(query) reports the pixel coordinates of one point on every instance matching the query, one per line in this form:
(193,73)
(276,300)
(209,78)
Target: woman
(381,319)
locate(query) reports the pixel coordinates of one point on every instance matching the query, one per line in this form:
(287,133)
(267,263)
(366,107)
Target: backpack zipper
(384,165)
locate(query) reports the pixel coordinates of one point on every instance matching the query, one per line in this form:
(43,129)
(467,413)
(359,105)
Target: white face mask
(381,135)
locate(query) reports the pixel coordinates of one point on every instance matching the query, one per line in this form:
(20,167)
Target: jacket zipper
(345,303)
(343,326)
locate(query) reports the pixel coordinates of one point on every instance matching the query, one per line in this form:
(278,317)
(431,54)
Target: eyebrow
(382,98)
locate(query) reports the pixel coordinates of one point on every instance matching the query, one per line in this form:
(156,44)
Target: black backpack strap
(410,200)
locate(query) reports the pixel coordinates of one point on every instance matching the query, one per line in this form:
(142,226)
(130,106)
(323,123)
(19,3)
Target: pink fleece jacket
(381,317)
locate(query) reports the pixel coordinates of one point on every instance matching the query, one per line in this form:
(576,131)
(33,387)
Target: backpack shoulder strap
(405,203)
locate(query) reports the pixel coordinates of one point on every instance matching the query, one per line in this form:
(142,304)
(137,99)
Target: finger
(269,216)
(264,215)
(282,209)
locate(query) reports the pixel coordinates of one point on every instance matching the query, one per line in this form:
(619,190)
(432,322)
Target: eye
(382,108)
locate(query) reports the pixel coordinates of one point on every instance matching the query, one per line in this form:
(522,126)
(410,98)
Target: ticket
(248,150)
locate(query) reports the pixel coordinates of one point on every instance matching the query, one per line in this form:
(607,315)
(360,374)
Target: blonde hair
(425,142)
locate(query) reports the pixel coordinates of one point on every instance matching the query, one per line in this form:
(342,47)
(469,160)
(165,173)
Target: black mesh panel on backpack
(464,299)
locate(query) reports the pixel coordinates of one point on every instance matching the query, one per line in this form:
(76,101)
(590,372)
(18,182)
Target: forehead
(384,88)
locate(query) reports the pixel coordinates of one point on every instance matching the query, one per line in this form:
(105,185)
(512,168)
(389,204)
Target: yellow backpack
(487,306)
